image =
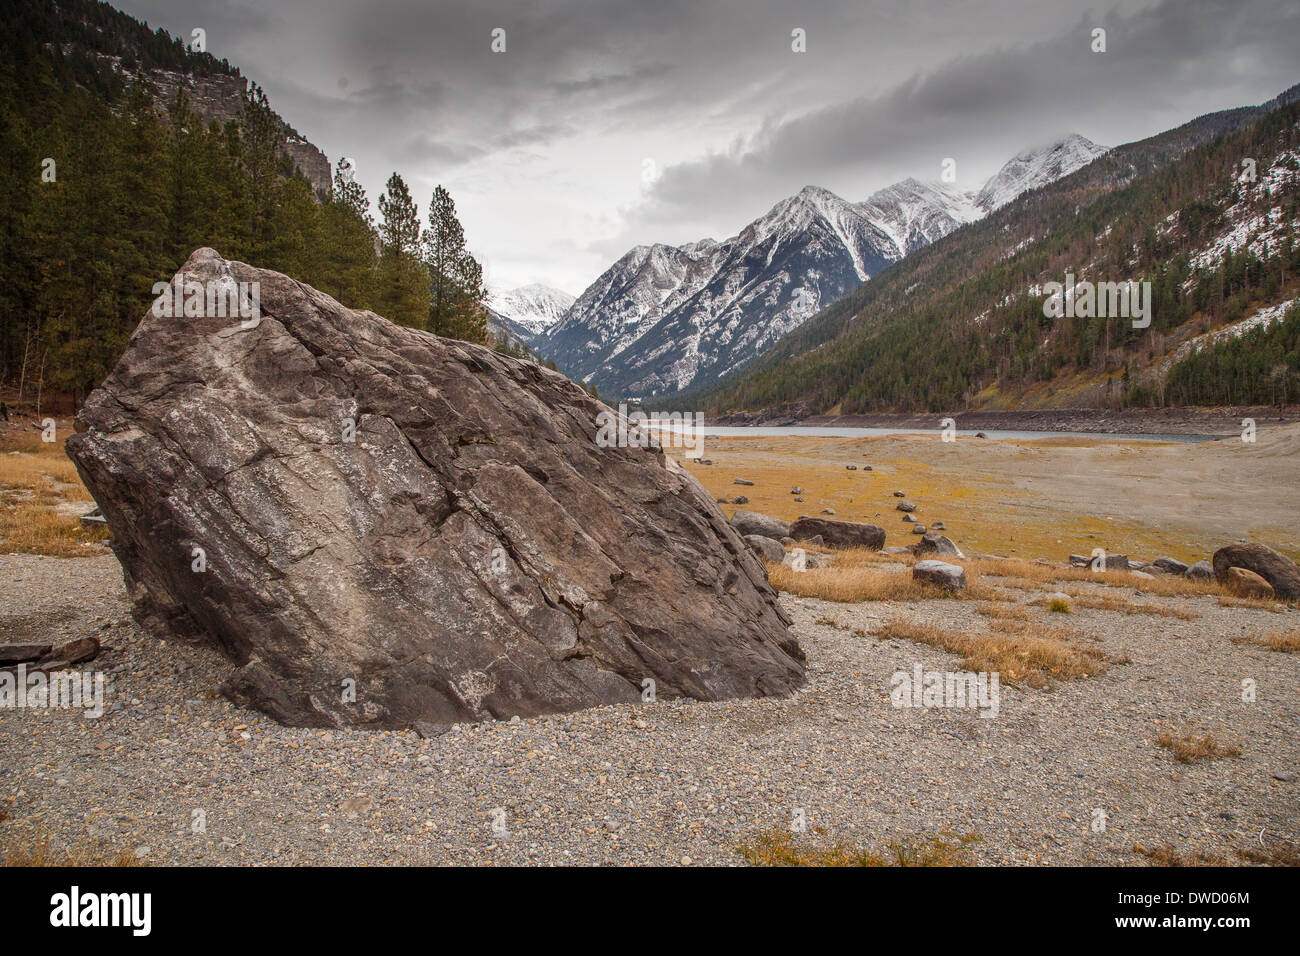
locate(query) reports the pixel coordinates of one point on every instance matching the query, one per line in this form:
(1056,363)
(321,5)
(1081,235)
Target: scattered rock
(429,730)
(65,655)
(740,500)
(828,511)
(766,548)
(905,505)
(796,490)
(1278,570)
(1246,583)
(1201,571)
(937,526)
(839,534)
(1170,565)
(910,519)
(742,481)
(950,577)
(918,529)
(933,543)
(750,522)
(22,653)
(851,467)
(900,494)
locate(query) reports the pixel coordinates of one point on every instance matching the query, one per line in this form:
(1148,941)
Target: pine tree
(403,283)
(350,240)
(457,296)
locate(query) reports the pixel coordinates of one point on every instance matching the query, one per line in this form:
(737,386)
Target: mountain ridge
(664,318)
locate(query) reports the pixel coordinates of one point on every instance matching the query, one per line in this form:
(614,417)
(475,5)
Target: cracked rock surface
(380,526)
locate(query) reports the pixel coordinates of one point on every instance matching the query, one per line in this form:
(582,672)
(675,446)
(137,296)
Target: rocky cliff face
(220,97)
(384,527)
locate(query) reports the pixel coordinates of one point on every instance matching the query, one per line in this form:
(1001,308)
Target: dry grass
(41,499)
(1023,652)
(1189,748)
(1108,602)
(780,848)
(41,853)
(1257,604)
(1003,611)
(1280,854)
(1286,642)
(1031,575)
(1169,855)
(853,584)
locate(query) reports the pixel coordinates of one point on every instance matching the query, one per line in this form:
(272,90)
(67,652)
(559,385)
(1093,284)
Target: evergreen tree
(457,296)
(403,284)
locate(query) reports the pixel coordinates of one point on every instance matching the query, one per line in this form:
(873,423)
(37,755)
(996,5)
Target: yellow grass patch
(1022,652)
(1029,575)
(780,848)
(41,499)
(1003,611)
(41,853)
(1286,642)
(854,584)
(1108,602)
(1189,748)
(1257,604)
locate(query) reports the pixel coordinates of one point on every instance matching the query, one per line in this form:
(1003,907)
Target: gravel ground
(665,783)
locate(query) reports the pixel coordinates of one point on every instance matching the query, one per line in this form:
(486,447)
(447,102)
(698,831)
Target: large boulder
(750,522)
(383,527)
(839,534)
(1277,569)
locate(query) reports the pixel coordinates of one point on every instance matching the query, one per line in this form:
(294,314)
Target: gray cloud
(543,146)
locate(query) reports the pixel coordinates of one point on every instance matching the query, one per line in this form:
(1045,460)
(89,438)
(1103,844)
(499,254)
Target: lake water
(816,431)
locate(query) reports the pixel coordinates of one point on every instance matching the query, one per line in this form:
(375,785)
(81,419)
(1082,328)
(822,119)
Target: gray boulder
(950,577)
(839,534)
(1277,569)
(339,503)
(765,548)
(750,522)
(1201,571)
(934,543)
(1170,565)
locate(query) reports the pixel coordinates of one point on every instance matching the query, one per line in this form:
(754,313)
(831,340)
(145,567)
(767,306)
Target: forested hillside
(961,324)
(105,190)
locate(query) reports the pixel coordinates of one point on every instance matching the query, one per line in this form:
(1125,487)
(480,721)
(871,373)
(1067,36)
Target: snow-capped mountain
(664,318)
(1035,168)
(533,308)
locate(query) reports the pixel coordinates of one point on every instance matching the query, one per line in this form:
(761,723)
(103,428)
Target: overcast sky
(607,125)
